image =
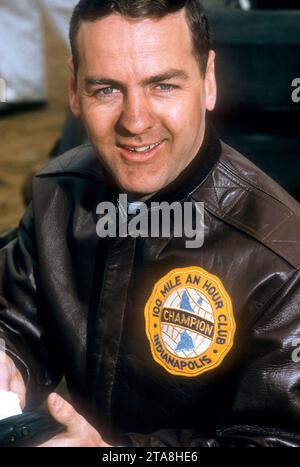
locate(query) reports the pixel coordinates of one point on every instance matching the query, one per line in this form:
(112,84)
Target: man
(169,345)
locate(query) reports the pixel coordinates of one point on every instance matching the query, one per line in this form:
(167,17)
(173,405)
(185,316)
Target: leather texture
(72,304)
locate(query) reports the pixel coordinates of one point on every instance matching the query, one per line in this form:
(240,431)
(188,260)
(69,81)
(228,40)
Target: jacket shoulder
(245,197)
(81,161)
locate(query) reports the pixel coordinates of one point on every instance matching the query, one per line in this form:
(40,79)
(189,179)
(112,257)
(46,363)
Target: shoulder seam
(248,182)
(242,228)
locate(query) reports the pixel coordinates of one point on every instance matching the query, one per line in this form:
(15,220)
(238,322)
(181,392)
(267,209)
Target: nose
(136,116)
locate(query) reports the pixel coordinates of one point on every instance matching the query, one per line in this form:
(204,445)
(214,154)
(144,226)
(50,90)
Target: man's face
(142,98)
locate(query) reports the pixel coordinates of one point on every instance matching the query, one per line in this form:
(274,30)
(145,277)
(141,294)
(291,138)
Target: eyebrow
(169,74)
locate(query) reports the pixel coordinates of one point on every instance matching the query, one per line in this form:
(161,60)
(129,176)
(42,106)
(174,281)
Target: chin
(141,189)
(138,193)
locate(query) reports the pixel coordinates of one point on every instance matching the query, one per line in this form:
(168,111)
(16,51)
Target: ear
(210,82)
(73,91)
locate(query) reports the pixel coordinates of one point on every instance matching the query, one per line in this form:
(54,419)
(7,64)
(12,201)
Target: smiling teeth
(143,149)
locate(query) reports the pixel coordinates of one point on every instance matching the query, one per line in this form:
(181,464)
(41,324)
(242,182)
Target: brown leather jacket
(75,305)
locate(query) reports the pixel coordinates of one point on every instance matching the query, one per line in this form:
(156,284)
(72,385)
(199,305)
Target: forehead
(143,45)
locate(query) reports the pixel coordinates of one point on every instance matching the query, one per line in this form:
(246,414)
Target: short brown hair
(92,10)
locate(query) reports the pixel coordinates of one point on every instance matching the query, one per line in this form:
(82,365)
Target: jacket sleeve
(21,330)
(266,407)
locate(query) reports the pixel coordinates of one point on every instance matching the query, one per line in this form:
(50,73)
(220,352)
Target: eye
(106,92)
(166,87)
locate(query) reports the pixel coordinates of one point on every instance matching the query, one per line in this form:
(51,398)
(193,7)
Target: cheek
(182,116)
(99,124)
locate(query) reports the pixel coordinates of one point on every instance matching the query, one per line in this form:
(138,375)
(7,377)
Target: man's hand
(78,433)
(11,378)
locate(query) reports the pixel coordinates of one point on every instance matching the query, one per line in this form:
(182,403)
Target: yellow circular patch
(189,321)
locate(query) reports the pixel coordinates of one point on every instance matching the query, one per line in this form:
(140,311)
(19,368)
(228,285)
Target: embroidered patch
(189,322)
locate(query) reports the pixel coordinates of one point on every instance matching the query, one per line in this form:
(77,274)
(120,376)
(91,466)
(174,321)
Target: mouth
(139,153)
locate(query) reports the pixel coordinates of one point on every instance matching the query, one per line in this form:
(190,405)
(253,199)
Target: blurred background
(28,135)
(258,47)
